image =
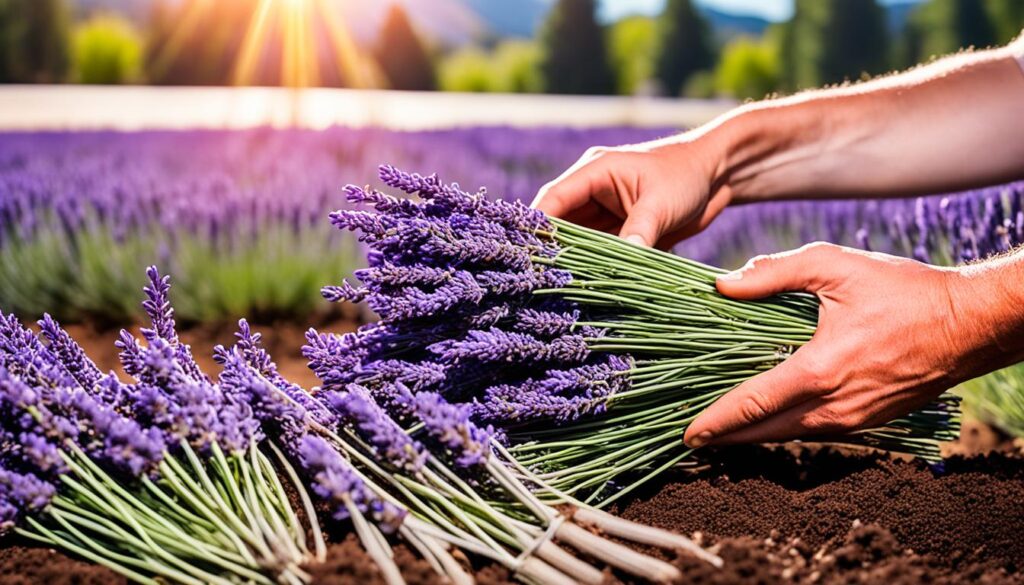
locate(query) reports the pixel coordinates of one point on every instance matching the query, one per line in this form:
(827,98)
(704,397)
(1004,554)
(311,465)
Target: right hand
(652,194)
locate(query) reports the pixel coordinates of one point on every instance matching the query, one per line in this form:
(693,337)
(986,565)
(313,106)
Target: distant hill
(727,25)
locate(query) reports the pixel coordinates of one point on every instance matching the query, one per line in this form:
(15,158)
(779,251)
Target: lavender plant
(591,354)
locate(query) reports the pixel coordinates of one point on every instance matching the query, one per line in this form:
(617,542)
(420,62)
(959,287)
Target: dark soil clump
(24,565)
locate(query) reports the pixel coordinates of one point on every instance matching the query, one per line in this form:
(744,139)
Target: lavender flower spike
(69,353)
(449,425)
(389,440)
(21,495)
(337,483)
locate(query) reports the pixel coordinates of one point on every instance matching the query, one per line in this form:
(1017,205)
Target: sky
(774,10)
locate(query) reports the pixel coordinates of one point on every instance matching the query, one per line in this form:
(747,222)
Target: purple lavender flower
(450,426)
(546,323)
(389,440)
(279,415)
(21,494)
(249,347)
(417,375)
(336,482)
(495,346)
(413,303)
(69,353)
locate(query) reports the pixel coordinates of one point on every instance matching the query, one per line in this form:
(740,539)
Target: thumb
(643,225)
(759,398)
(807,269)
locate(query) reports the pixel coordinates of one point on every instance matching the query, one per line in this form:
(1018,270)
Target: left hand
(890,338)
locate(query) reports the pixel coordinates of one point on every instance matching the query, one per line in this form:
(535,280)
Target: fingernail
(636,239)
(702,438)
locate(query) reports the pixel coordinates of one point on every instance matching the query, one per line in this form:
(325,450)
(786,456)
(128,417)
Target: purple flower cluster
(336,482)
(449,425)
(390,442)
(171,392)
(452,277)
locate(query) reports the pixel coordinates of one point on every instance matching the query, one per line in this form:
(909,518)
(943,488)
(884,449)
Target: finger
(808,418)
(572,189)
(645,222)
(807,268)
(595,216)
(759,398)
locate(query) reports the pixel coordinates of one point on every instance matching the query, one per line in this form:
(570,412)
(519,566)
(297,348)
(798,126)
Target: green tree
(1007,17)
(401,54)
(516,67)
(575,60)
(748,69)
(941,27)
(34,41)
(633,46)
(829,41)
(189,44)
(106,49)
(467,69)
(684,45)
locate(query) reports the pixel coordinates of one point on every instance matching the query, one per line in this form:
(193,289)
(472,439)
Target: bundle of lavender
(175,478)
(161,479)
(439,485)
(590,354)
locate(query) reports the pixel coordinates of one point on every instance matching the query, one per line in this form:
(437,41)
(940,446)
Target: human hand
(652,194)
(892,335)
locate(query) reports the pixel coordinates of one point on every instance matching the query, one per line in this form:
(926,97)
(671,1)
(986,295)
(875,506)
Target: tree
(1007,17)
(946,26)
(633,44)
(401,54)
(188,43)
(684,47)
(575,60)
(106,49)
(830,41)
(34,41)
(748,69)
(467,70)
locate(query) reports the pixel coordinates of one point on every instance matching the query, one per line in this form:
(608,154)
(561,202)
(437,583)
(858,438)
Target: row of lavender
(237,216)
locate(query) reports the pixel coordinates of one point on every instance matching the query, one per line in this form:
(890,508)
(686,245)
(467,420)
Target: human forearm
(950,125)
(988,300)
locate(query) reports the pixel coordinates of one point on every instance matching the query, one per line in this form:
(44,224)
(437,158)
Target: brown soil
(779,514)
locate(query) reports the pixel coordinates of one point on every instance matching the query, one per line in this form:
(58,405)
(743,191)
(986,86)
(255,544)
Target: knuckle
(818,373)
(754,407)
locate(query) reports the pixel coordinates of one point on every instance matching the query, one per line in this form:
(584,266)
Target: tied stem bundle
(591,354)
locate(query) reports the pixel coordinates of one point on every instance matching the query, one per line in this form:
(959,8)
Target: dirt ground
(776,514)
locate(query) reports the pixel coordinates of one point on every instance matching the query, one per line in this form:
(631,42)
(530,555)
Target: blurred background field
(212,137)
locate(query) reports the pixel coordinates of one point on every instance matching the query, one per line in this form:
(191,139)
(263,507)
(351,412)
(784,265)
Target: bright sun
(296,26)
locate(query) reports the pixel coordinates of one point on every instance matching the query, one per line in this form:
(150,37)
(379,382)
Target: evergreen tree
(941,27)
(575,59)
(401,54)
(829,41)
(684,47)
(34,41)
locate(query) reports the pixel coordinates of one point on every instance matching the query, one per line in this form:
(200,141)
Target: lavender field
(240,217)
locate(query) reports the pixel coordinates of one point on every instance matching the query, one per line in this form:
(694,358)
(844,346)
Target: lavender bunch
(524,320)
(435,485)
(159,479)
